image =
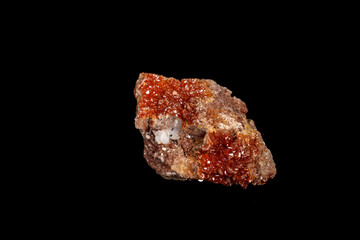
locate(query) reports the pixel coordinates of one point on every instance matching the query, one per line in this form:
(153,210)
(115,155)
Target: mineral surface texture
(194,129)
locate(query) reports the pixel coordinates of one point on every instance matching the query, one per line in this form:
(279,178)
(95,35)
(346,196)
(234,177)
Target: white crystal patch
(164,136)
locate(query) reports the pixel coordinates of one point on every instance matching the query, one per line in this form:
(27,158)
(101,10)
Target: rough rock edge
(179,160)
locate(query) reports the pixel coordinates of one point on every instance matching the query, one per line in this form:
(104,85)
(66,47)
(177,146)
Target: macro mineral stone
(194,130)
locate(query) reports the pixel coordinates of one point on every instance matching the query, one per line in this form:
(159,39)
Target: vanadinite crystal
(194,129)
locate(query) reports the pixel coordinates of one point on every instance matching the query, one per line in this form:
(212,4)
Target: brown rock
(194,129)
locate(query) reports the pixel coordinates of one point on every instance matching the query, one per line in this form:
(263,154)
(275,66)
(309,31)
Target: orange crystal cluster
(170,96)
(225,157)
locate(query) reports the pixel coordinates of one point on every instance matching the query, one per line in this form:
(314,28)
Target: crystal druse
(194,129)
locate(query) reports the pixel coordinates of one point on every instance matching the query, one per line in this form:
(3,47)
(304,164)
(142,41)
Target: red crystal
(225,157)
(170,96)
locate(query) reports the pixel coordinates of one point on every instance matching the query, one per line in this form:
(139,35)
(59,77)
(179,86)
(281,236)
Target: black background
(279,84)
(281,75)
(88,173)
(279,93)
(119,184)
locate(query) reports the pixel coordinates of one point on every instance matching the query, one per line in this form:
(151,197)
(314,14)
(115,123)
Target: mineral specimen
(194,129)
